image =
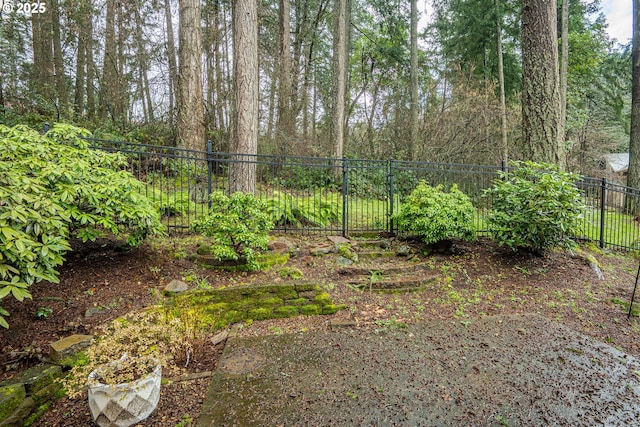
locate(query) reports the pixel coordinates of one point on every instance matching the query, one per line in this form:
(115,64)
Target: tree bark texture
(339,76)
(540,85)
(285,125)
(413,143)
(633,176)
(564,70)
(190,120)
(503,104)
(242,173)
(171,53)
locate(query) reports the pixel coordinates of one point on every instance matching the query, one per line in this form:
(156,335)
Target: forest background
(443,89)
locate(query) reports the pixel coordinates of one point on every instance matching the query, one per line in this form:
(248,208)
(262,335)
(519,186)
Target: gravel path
(496,371)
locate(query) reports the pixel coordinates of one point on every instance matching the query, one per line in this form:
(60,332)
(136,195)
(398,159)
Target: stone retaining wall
(218,308)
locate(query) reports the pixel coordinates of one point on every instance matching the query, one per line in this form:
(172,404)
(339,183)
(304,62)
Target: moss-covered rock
(37,377)
(332,308)
(298,302)
(235,316)
(304,287)
(11,396)
(323,299)
(260,314)
(310,310)
(286,311)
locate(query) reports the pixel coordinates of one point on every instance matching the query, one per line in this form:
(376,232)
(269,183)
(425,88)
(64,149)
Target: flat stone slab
(68,346)
(494,371)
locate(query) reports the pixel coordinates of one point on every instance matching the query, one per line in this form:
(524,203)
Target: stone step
(384,270)
(400,284)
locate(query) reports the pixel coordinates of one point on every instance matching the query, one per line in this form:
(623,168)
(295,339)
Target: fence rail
(345,196)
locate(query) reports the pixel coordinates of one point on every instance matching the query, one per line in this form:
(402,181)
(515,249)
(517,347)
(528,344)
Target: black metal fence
(344,196)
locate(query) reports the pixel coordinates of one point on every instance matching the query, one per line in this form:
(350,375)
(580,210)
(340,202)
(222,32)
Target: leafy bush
(435,215)
(535,207)
(238,224)
(53,187)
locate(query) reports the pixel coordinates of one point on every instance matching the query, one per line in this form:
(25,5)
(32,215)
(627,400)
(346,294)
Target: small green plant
(44,312)
(437,215)
(291,272)
(374,277)
(238,225)
(535,207)
(187,420)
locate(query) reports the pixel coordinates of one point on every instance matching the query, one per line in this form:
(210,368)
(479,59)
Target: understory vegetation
(53,187)
(435,215)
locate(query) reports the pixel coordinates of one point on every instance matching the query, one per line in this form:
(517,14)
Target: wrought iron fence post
(504,166)
(603,202)
(391,198)
(209,171)
(345,192)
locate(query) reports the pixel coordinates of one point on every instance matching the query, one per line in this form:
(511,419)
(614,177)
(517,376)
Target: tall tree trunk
(564,67)
(413,113)
(540,85)
(42,54)
(143,67)
(190,122)
(242,173)
(1,91)
(503,104)
(81,63)
(339,76)
(633,176)
(61,92)
(110,66)
(272,105)
(171,54)
(121,92)
(220,99)
(91,73)
(284,127)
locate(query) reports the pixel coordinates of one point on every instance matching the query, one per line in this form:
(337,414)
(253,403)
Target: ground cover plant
(482,279)
(53,187)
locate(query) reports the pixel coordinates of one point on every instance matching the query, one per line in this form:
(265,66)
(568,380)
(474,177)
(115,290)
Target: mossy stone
(11,396)
(47,393)
(298,302)
(37,377)
(235,316)
(323,299)
(286,311)
(37,414)
(217,308)
(269,302)
(260,314)
(332,308)
(304,287)
(268,260)
(310,310)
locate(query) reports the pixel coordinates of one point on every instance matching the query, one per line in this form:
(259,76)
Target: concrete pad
(495,371)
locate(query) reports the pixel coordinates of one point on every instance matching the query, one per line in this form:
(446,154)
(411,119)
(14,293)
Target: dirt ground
(102,280)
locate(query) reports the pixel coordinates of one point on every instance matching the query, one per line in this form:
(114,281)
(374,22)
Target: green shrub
(535,207)
(53,187)
(238,224)
(435,215)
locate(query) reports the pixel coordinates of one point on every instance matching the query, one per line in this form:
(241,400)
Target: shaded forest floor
(101,281)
